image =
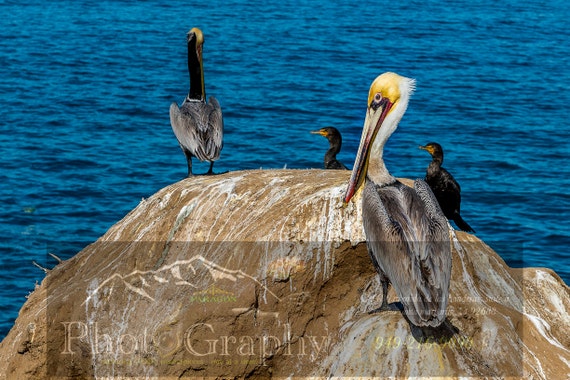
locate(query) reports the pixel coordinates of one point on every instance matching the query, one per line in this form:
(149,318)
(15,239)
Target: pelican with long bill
(197,125)
(407,233)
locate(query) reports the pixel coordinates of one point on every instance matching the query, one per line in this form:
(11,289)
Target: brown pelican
(407,233)
(445,188)
(335,142)
(198,125)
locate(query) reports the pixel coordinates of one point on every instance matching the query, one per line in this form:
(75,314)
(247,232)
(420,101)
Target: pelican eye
(377,101)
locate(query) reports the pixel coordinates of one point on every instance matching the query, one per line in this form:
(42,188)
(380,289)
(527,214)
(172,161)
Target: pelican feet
(395,306)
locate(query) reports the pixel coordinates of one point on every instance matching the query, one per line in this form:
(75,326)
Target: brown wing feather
(407,235)
(199,127)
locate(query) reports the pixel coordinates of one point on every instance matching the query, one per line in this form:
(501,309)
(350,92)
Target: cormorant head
(331,133)
(434,149)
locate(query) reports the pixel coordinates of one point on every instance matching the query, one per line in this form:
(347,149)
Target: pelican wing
(216,129)
(406,234)
(199,127)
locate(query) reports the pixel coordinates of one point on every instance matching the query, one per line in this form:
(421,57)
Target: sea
(85,90)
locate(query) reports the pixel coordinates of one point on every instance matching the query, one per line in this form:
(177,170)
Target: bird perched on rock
(445,188)
(198,125)
(406,232)
(335,142)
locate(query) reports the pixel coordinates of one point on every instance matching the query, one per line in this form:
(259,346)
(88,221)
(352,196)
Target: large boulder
(265,273)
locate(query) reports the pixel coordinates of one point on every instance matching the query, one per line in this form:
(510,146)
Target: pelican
(198,125)
(445,188)
(407,233)
(335,142)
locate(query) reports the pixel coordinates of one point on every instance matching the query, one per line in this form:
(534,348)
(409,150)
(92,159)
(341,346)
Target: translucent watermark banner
(237,309)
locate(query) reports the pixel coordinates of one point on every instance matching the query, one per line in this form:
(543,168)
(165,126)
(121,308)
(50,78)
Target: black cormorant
(444,186)
(335,142)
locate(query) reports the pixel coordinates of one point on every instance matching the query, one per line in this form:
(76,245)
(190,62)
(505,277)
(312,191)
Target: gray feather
(199,127)
(408,240)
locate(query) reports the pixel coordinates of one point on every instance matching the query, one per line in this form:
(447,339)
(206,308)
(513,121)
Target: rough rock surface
(264,273)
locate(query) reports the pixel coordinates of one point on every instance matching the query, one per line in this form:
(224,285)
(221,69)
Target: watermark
(221,309)
(411,343)
(213,294)
(216,308)
(199,341)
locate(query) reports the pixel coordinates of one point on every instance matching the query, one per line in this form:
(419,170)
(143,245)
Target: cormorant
(407,233)
(335,142)
(198,125)
(445,188)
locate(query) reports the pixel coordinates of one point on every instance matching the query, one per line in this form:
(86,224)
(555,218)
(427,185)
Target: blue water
(85,89)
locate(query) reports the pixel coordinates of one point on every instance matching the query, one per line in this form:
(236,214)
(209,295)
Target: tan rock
(264,273)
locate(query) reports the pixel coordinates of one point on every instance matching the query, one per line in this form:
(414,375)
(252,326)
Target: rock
(264,273)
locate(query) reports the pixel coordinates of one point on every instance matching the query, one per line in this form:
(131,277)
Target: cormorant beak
(375,116)
(321,132)
(429,149)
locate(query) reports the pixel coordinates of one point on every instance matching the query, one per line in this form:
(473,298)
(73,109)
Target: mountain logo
(192,274)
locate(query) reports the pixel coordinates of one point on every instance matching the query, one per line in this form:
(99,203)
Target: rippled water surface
(85,89)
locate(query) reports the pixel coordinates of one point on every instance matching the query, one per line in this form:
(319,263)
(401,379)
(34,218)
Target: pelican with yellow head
(406,231)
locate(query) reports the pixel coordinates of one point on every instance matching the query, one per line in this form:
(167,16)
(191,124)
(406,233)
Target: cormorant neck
(334,148)
(437,160)
(433,168)
(196,72)
(329,156)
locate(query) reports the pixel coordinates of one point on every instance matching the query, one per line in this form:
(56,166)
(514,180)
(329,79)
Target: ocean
(85,89)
